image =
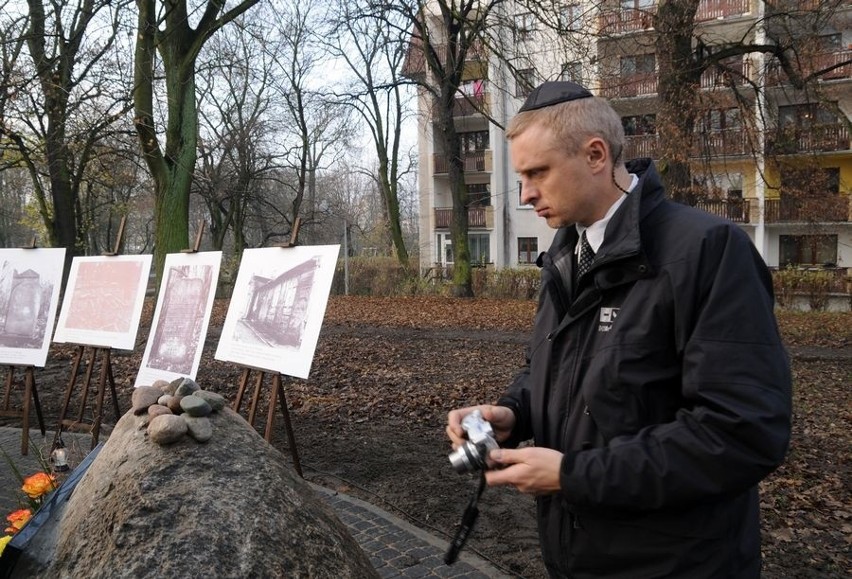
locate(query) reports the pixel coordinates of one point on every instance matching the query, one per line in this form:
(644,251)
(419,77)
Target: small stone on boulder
(164,399)
(187,387)
(161,384)
(174,404)
(167,428)
(216,401)
(143,397)
(199,427)
(195,406)
(157,410)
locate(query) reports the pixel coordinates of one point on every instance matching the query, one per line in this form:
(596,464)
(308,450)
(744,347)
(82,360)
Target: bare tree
(374,54)
(235,152)
(65,100)
(316,130)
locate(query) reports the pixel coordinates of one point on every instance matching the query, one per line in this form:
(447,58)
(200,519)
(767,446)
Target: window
(640,64)
(478,194)
(524,82)
(721,120)
(527,249)
(638,4)
(639,125)
(480,248)
(524,26)
(811,181)
(474,141)
(808,250)
(521,204)
(806,116)
(572,71)
(570,17)
(479,245)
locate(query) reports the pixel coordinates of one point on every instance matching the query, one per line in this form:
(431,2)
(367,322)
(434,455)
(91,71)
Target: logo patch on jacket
(607,318)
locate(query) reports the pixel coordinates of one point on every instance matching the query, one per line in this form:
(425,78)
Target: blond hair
(573,122)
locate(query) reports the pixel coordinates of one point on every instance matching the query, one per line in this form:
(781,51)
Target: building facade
(774,159)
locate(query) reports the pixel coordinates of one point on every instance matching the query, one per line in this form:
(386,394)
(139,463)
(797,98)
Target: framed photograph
(30,280)
(276,311)
(103,301)
(181,317)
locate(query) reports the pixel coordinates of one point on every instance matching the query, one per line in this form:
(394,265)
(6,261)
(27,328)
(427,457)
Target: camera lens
(466,458)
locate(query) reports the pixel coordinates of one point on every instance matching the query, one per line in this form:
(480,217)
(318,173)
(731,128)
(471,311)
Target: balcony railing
(737,73)
(820,138)
(630,86)
(838,65)
(474,162)
(737,210)
(477,217)
(637,146)
(465,107)
(815,209)
(727,143)
(620,21)
(716,9)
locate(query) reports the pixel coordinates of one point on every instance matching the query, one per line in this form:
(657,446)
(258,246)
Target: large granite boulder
(230,507)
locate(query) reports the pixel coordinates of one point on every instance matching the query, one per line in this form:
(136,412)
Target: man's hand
(531,470)
(502,421)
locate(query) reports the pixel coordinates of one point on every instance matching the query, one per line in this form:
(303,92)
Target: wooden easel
(105,376)
(30,391)
(276,393)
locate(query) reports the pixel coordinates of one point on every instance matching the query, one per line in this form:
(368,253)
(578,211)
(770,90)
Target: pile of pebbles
(171,410)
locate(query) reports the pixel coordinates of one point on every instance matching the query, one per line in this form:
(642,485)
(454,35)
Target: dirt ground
(370,422)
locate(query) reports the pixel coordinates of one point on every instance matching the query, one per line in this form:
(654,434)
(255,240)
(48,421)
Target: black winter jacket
(663,380)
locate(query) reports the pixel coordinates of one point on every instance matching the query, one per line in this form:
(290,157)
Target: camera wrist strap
(467,522)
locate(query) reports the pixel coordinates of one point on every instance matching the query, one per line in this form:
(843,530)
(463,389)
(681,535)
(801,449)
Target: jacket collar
(620,258)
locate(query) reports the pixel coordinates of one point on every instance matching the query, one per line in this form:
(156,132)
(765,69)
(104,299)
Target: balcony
(465,107)
(726,143)
(735,72)
(620,20)
(474,162)
(838,66)
(737,210)
(630,86)
(718,9)
(812,209)
(477,217)
(820,138)
(638,146)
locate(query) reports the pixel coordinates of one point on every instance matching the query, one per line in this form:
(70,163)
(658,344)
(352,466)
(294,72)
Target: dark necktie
(587,254)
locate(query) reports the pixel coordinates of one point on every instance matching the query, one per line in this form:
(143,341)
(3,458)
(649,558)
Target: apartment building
(777,161)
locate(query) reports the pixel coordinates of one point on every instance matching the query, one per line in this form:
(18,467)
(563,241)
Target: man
(656,389)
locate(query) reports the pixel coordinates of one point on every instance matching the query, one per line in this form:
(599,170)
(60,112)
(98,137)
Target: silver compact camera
(473,454)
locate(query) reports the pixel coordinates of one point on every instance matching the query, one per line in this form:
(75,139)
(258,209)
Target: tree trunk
(678,84)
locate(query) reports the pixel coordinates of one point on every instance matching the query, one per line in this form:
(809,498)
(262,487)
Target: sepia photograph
(103,301)
(181,317)
(277,307)
(30,280)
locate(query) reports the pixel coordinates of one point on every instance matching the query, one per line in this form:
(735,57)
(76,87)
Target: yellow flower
(4,540)
(39,484)
(17,520)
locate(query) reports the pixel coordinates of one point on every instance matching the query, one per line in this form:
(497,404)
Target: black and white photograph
(181,317)
(29,294)
(276,311)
